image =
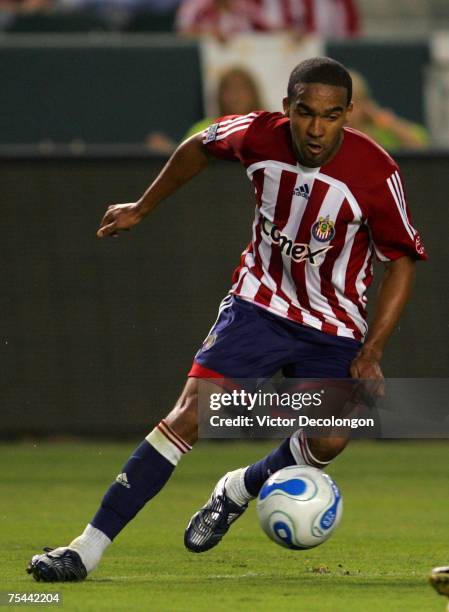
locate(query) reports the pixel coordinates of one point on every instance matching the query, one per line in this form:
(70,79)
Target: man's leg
(296,450)
(141,478)
(237,488)
(305,448)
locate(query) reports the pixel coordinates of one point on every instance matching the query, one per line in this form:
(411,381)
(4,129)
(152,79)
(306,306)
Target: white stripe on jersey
(339,278)
(237,120)
(398,179)
(238,128)
(330,206)
(250,287)
(271,163)
(380,256)
(309,319)
(225,128)
(394,183)
(271,184)
(291,229)
(347,193)
(359,284)
(269,198)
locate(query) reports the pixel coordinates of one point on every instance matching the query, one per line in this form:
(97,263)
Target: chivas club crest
(209,342)
(323,230)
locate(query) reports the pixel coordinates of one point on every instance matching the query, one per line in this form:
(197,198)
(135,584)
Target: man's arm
(187,161)
(393,295)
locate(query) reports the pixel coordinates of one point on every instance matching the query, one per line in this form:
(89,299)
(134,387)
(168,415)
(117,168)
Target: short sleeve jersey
(315,229)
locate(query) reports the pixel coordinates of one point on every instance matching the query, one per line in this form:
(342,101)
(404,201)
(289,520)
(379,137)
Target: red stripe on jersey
(281,216)
(263,296)
(368,273)
(258,181)
(327,267)
(294,313)
(239,286)
(298,270)
(257,269)
(358,254)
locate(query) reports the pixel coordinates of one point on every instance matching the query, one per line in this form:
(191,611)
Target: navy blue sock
(142,477)
(258,472)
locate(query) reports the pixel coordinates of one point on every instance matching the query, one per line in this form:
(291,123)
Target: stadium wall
(118,89)
(97,335)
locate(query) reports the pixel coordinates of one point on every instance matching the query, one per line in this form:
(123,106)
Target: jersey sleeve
(225,138)
(388,217)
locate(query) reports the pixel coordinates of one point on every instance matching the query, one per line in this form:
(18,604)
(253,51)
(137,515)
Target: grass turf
(394,530)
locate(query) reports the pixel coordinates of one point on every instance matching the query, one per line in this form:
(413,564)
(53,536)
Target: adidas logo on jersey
(123,480)
(303,191)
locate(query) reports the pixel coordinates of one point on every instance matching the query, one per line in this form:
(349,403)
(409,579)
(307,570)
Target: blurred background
(96,336)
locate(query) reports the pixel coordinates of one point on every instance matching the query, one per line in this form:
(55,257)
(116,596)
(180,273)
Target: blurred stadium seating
(57,22)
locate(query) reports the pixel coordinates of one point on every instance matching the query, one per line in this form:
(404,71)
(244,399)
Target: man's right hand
(120,217)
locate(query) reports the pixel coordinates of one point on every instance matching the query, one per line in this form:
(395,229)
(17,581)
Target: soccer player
(327,198)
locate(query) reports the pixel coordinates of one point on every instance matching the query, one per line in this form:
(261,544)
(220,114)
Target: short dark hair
(320,70)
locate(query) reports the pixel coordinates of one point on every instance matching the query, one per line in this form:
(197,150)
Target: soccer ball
(299,507)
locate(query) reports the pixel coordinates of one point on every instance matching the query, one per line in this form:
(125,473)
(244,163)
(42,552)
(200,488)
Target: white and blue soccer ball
(299,507)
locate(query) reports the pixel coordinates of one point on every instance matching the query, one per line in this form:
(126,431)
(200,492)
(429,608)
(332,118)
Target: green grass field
(394,530)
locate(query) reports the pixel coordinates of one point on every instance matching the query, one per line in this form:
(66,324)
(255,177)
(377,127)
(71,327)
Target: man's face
(317,115)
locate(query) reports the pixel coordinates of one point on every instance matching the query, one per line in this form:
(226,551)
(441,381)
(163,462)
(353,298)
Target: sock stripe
(303,450)
(182,442)
(173,437)
(172,431)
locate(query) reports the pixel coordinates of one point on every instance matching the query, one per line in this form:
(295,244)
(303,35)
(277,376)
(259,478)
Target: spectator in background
(26,6)
(10,9)
(381,124)
(19,7)
(237,94)
(225,18)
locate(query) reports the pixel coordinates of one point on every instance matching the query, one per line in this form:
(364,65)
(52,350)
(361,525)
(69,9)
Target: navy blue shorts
(250,342)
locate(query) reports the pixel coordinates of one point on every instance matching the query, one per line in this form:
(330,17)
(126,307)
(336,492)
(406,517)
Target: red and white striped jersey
(331,18)
(315,229)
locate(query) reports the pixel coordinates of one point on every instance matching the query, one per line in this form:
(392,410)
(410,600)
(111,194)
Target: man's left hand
(366,366)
